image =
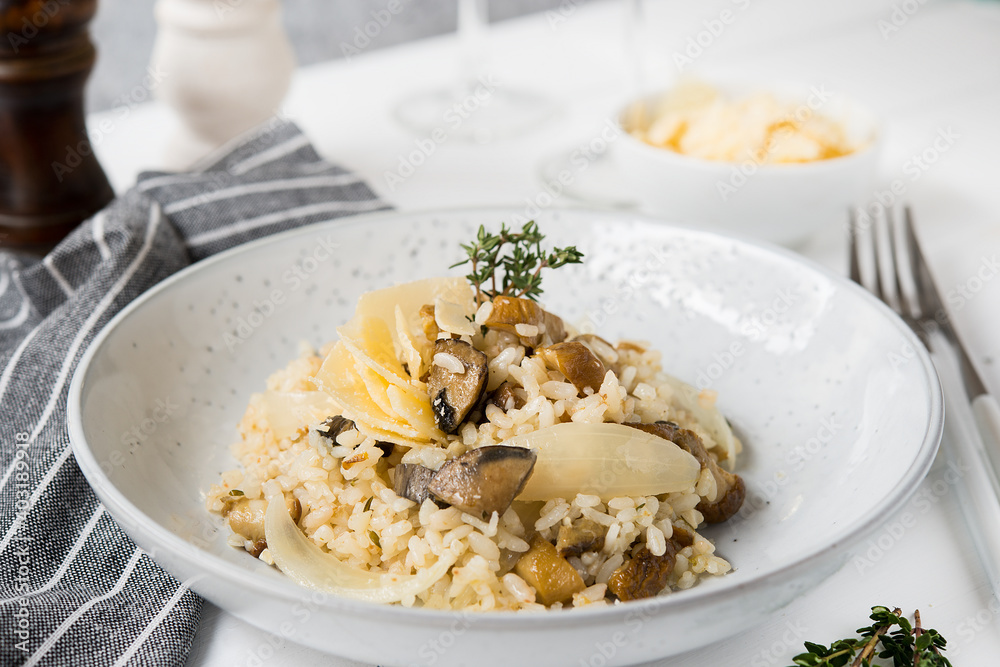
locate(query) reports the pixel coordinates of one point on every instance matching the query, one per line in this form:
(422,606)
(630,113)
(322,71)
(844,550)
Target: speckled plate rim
(119,506)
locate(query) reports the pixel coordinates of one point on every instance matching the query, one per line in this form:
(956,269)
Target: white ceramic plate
(837,403)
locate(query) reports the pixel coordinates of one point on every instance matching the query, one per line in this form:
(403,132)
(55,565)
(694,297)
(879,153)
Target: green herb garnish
(907,646)
(368,505)
(236,492)
(521,267)
(372,534)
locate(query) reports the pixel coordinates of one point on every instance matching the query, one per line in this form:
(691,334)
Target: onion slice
(606,460)
(299,558)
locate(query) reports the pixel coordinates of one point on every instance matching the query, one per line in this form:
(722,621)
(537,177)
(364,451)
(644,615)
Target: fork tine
(918,266)
(879,289)
(854,267)
(899,253)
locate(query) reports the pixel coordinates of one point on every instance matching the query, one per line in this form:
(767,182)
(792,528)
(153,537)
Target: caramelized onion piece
(551,575)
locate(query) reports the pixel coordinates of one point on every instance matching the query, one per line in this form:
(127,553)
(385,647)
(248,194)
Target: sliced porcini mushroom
(334,426)
(581,536)
(412,481)
(245,517)
(552,576)
(730,488)
(644,575)
(575,360)
(456,382)
(505,398)
(525,319)
(483,480)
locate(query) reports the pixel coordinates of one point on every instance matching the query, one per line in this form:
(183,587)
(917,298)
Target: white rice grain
(449,362)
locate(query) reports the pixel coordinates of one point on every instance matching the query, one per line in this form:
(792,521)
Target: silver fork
(903,280)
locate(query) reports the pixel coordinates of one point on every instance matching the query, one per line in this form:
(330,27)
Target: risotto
(451,452)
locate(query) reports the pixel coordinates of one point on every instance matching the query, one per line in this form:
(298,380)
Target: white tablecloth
(929,69)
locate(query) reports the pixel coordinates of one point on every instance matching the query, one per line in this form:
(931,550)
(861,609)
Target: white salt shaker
(226,66)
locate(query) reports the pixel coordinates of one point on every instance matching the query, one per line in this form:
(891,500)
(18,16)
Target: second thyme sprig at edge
(521,266)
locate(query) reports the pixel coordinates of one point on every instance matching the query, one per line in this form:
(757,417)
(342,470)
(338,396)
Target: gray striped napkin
(75,590)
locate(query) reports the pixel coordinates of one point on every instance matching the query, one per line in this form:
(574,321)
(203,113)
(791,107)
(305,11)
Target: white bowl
(839,425)
(781,203)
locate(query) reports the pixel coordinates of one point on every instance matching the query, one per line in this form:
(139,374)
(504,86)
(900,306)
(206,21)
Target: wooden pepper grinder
(50,180)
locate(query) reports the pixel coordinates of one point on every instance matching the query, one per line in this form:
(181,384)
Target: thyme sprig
(909,645)
(520,268)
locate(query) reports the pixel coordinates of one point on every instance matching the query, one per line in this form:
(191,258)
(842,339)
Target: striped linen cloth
(74,589)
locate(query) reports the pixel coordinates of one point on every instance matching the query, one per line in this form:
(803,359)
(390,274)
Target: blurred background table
(932,70)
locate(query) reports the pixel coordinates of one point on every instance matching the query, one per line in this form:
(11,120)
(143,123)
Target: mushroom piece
(731,490)
(505,398)
(644,575)
(246,518)
(411,480)
(551,575)
(575,360)
(334,426)
(513,313)
(483,480)
(581,536)
(456,382)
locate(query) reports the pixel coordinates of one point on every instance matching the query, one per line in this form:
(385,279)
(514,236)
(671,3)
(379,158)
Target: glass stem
(473,24)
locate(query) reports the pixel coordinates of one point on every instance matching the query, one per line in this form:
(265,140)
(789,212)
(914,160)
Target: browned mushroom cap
(575,360)
(483,480)
(731,490)
(246,518)
(505,398)
(453,395)
(582,535)
(412,481)
(551,575)
(509,311)
(644,575)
